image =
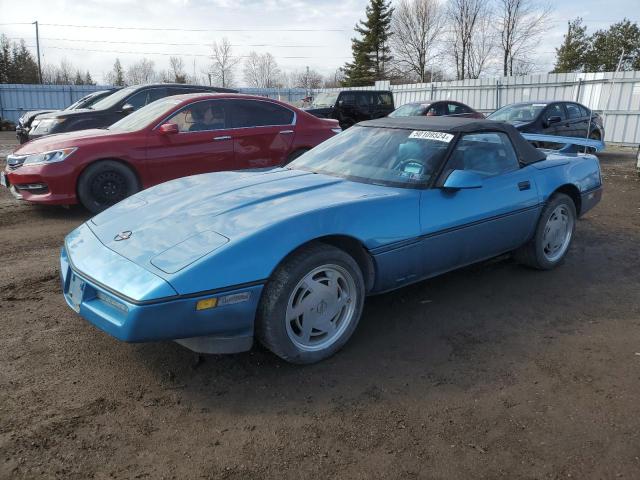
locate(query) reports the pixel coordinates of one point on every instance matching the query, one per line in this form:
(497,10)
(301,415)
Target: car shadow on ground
(463,330)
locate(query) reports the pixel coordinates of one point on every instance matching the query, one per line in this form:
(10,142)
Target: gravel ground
(494,371)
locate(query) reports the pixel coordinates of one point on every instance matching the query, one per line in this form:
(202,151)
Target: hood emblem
(126,235)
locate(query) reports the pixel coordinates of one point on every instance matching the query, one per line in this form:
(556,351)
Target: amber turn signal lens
(206,303)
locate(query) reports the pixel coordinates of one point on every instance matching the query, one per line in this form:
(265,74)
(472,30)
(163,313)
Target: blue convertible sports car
(289,254)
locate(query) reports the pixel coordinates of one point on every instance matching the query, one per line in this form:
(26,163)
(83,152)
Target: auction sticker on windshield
(427,135)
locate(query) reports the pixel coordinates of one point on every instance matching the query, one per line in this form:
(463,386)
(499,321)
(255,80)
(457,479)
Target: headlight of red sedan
(48,157)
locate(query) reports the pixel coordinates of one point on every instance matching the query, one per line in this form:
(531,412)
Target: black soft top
(527,154)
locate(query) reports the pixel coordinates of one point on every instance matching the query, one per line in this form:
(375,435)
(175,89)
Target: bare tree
(416,27)
(141,72)
(307,78)
(261,70)
(335,79)
(520,24)
(482,48)
(176,71)
(223,64)
(463,17)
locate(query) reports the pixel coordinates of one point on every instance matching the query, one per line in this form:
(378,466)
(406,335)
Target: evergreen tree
(570,57)
(23,68)
(116,77)
(608,45)
(5,59)
(371,53)
(78,80)
(88,80)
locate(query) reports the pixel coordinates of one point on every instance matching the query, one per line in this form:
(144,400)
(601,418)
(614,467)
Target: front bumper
(226,328)
(44,184)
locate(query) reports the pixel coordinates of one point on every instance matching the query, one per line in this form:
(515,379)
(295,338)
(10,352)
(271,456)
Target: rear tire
(311,305)
(553,235)
(105,183)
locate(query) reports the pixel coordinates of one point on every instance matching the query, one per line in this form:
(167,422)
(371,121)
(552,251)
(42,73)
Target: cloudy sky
(298,33)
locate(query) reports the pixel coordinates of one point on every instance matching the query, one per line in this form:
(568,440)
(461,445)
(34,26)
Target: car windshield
(410,110)
(326,99)
(383,156)
(146,115)
(111,100)
(75,104)
(518,113)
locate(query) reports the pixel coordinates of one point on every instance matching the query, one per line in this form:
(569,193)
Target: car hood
(66,140)
(79,113)
(173,224)
(29,116)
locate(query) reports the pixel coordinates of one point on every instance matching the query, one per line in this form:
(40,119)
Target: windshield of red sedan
(143,117)
(385,156)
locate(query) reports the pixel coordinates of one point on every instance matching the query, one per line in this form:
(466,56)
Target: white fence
(615,96)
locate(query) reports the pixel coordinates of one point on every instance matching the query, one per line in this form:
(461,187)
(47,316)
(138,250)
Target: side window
(385,99)
(363,99)
(485,153)
(156,94)
(555,110)
(584,111)
(201,117)
(455,109)
(437,110)
(348,98)
(254,113)
(137,100)
(573,111)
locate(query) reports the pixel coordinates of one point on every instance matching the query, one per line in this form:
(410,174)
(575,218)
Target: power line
(170,44)
(175,54)
(162,29)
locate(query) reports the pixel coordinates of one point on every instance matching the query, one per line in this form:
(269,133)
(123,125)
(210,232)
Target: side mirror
(127,108)
(462,179)
(168,128)
(340,103)
(553,119)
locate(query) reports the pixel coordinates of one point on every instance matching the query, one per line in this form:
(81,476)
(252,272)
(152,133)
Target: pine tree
(5,59)
(371,53)
(570,57)
(24,68)
(78,80)
(607,46)
(88,80)
(117,76)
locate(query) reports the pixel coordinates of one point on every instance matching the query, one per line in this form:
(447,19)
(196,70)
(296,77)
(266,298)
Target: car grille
(15,161)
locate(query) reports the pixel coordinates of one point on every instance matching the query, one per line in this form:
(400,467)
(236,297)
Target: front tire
(311,305)
(105,183)
(553,235)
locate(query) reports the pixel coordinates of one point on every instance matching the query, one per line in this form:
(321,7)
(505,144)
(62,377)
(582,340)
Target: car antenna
(613,81)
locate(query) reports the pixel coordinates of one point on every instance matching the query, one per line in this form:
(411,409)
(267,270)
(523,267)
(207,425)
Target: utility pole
(38,50)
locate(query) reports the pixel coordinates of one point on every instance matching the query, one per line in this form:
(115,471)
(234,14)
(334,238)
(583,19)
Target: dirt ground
(495,371)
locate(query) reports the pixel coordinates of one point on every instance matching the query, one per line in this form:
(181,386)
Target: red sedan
(169,138)
(439,108)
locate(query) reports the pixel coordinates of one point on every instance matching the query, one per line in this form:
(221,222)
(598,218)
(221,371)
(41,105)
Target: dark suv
(352,106)
(112,108)
(30,120)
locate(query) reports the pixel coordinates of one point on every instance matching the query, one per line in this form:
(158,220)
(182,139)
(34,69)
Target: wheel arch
(572,192)
(348,244)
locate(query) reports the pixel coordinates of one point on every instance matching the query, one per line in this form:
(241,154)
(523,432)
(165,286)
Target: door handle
(223,137)
(286,132)
(526,185)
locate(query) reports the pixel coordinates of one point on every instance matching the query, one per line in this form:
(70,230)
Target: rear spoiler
(570,144)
